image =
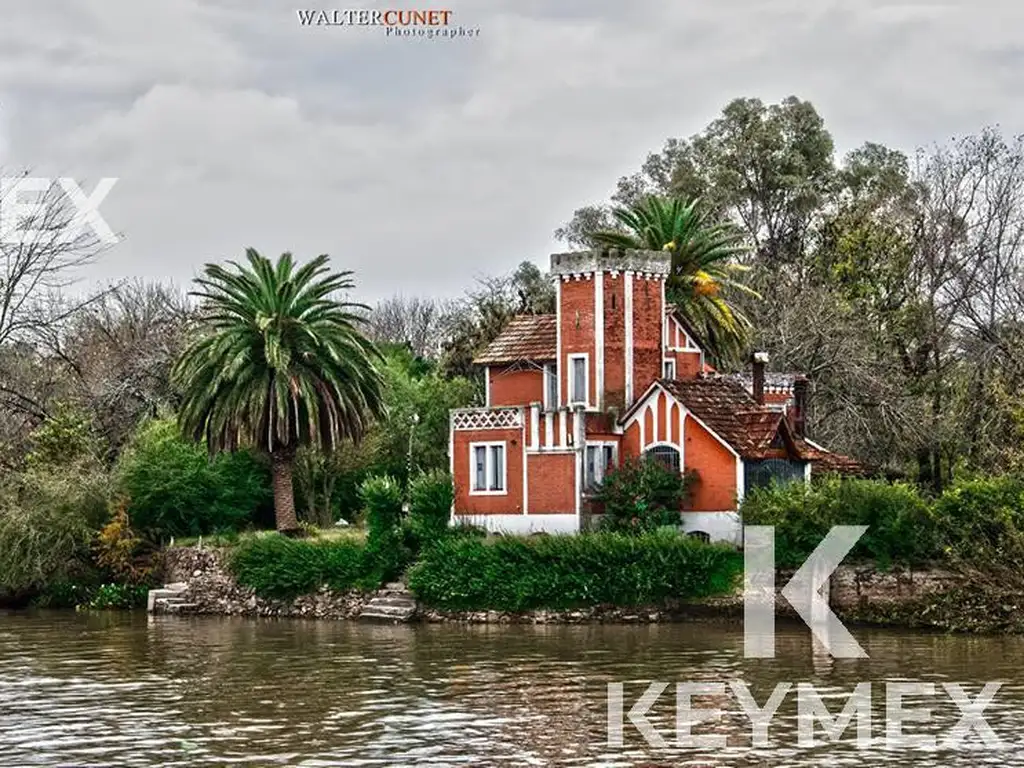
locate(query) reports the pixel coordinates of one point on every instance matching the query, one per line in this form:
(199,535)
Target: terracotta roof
(526,337)
(725,406)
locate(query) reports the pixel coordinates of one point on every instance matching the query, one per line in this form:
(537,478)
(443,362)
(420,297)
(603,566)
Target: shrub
(385,547)
(280,567)
(121,552)
(983,519)
(900,524)
(430,506)
(47,524)
(176,489)
(118,597)
(522,573)
(642,495)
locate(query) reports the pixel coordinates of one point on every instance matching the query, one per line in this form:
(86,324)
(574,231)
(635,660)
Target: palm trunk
(282,462)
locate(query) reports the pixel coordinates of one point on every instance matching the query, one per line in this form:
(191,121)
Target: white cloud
(423,163)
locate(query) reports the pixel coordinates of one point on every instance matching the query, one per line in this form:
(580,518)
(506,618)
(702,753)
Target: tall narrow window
(600,459)
(488,467)
(578,379)
(497,478)
(550,387)
(670,369)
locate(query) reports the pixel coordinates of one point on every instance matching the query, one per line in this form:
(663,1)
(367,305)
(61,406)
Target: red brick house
(615,373)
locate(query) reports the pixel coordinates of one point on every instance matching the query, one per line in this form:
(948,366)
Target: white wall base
(720,526)
(521,524)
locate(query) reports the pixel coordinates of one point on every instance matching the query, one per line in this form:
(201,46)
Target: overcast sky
(422,164)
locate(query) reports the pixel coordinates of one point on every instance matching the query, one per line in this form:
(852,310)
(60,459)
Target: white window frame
(664,368)
(550,382)
(570,377)
(600,445)
(488,468)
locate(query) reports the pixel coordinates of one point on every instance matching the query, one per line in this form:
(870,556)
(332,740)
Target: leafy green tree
(279,364)
(704,266)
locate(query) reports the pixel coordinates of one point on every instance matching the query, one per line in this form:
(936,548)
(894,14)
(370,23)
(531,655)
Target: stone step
(158,595)
(178,586)
(395,586)
(368,615)
(375,610)
(181,607)
(403,601)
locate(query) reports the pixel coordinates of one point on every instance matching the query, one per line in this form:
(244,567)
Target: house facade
(613,374)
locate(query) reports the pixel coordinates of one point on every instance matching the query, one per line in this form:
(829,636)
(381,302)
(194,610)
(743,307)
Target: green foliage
(280,567)
(177,489)
(119,597)
(385,547)
(642,495)
(982,520)
(418,400)
(430,506)
(517,573)
(65,436)
(280,363)
(47,524)
(901,526)
(704,254)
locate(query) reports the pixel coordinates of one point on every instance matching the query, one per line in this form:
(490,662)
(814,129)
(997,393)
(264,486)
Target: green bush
(385,545)
(430,507)
(901,526)
(522,573)
(280,567)
(983,519)
(176,489)
(48,521)
(118,597)
(642,495)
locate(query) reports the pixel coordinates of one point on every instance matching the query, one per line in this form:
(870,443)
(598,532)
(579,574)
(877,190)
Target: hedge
(280,567)
(557,572)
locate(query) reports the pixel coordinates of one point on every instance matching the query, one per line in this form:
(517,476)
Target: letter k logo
(803,592)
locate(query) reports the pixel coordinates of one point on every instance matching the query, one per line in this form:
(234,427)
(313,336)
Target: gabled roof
(724,406)
(526,337)
(731,412)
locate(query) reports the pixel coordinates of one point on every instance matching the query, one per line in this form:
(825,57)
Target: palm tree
(280,364)
(703,264)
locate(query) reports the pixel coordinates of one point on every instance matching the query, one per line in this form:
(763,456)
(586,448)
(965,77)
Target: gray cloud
(421,164)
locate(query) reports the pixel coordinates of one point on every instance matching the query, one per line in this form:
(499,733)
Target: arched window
(667,455)
(700,536)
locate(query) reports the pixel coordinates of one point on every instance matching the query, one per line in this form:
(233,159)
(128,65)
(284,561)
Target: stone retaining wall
(856,591)
(213,590)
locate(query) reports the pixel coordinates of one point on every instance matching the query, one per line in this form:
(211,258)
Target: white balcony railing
(487,418)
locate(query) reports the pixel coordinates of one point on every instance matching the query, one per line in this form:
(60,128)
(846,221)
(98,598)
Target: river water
(132,690)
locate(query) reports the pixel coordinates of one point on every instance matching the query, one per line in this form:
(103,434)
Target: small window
(667,455)
(600,459)
(550,387)
(578,379)
(700,536)
(670,369)
(488,468)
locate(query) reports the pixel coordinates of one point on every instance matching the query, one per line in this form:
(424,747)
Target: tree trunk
(282,463)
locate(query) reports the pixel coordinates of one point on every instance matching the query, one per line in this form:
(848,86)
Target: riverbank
(923,598)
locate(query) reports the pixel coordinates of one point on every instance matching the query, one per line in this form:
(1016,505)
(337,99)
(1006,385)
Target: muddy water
(127,690)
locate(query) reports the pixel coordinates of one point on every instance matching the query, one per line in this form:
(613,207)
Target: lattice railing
(486,418)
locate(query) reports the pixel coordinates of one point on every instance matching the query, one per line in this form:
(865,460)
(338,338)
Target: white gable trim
(639,413)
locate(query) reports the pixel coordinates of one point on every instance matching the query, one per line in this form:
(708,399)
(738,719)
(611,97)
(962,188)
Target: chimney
(759,359)
(801,390)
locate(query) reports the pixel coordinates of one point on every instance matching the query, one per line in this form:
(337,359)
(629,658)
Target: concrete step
(178,586)
(396,586)
(397,601)
(158,595)
(181,607)
(369,615)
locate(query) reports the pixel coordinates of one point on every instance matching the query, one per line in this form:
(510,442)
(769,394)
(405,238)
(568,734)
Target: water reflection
(132,690)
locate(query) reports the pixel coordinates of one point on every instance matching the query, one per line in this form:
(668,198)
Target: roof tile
(526,337)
